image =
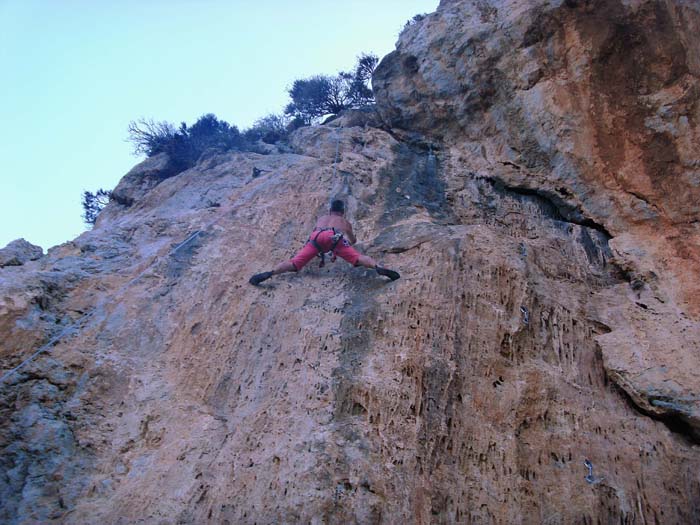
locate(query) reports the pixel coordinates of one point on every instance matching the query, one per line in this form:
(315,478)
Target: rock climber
(333,233)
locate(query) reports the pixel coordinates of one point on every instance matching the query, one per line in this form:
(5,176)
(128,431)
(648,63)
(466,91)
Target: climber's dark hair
(338,205)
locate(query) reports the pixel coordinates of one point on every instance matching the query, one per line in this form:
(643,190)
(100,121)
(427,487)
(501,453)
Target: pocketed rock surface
(540,321)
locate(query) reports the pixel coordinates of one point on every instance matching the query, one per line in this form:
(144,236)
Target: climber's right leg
(286,266)
(295,264)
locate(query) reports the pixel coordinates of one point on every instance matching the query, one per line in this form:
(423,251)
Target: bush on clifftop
(312,98)
(270,129)
(185,145)
(321,95)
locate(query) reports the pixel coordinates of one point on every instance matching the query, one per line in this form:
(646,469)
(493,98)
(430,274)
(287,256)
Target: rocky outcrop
(141,179)
(532,365)
(19,252)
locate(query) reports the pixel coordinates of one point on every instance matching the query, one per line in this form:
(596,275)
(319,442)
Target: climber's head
(338,206)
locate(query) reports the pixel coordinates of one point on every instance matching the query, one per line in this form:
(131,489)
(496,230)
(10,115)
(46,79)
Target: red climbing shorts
(324,240)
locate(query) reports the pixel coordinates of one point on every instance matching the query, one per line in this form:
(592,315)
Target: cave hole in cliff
(675,422)
(552,206)
(678,425)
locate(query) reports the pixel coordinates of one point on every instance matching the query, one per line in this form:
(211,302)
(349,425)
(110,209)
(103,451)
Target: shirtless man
(326,238)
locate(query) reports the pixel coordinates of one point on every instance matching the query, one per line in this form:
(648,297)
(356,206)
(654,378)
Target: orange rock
(534,364)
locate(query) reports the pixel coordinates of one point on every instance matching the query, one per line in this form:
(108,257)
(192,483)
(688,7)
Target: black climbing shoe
(259,277)
(391,274)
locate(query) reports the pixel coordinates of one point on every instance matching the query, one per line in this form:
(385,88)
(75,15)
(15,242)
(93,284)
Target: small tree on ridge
(93,204)
(321,95)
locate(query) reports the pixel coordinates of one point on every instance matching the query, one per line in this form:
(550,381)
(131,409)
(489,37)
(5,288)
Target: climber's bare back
(339,223)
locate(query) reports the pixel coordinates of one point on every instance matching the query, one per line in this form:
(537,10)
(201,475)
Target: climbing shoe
(391,274)
(259,277)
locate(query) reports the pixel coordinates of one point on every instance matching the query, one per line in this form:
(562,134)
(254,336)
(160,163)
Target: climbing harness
(337,235)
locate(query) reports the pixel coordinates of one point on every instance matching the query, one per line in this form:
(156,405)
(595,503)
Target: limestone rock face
(534,364)
(594,107)
(19,252)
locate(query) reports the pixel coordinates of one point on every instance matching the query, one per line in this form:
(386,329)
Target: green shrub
(185,145)
(150,137)
(415,20)
(270,129)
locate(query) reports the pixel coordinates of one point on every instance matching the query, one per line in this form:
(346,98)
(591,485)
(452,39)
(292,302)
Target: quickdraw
(591,478)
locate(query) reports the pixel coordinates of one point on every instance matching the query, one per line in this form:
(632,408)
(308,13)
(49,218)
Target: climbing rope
(345,189)
(337,148)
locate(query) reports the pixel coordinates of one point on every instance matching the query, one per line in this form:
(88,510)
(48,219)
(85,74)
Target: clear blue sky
(75,72)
